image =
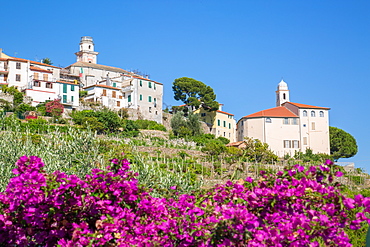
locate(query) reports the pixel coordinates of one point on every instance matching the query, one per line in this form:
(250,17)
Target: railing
(127,88)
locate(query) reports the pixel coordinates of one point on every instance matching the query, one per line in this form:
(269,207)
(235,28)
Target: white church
(289,126)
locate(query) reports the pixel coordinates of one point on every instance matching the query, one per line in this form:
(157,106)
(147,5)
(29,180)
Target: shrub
(296,207)
(55,108)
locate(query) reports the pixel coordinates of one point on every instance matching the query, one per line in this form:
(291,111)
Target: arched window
(313,114)
(305,113)
(284,97)
(321,114)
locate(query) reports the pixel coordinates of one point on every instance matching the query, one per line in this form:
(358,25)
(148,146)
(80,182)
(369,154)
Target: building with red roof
(289,126)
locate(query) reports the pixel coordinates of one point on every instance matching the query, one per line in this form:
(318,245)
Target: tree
(46,60)
(195,93)
(342,144)
(185,126)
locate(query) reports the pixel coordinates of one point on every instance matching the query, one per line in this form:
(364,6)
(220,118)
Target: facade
(115,87)
(220,123)
(39,81)
(288,127)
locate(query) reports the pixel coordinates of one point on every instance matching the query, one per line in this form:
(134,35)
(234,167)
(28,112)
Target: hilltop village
(286,128)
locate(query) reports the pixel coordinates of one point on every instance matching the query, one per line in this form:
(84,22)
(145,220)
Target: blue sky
(242,49)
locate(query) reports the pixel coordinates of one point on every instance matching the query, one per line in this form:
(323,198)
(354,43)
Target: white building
(115,87)
(288,127)
(39,81)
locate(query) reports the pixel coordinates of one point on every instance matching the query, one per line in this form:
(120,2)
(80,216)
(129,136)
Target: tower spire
(282,93)
(87,53)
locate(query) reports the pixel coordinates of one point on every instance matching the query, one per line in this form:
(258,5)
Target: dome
(282,85)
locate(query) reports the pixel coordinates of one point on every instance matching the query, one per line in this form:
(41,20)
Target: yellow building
(220,123)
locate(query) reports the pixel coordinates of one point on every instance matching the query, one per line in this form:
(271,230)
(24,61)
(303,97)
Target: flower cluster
(300,206)
(55,108)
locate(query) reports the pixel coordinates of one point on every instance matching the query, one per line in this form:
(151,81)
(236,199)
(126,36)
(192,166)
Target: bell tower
(87,53)
(282,93)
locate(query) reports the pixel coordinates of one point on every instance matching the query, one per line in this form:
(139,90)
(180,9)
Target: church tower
(87,53)
(282,93)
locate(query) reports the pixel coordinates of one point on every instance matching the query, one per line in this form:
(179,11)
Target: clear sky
(242,49)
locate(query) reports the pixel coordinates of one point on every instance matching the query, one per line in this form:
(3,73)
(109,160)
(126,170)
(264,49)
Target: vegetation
(195,93)
(46,61)
(185,126)
(342,144)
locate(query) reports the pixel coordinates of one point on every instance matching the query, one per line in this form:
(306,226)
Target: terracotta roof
(225,113)
(234,144)
(26,60)
(307,106)
(68,82)
(279,111)
(104,86)
(39,69)
(142,78)
(98,66)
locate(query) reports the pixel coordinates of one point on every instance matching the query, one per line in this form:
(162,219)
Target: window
(113,94)
(229,125)
(284,96)
(313,114)
(294,121)
(287,144)
(305,113)
(224,123)
(141,83)
(18,65)
(45,76)
(203,114)
(218,122)
(114,84)
(141,97)
(118,103)
(313,126)
(129,98)
(64,88)
(18,77)
(224,134)
(36,83)
(104,92)
(72,87)
(149,84)
(150,109)
(36,76)
(304,140)
(268,120)
(120,96)
(154,86)
(286,121)
(304,125)
(321,114)
(64,98)
(295,144)
(156,112)
(149,98)
(72,98)
(49,85)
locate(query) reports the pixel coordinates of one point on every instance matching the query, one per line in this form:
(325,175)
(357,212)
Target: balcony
(127,89)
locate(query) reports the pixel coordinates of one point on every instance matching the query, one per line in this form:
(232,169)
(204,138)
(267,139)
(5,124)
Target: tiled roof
(307,106)
(225,113)
(279,111)
(98,66)
(104,86)
(68,82)
(142,78)
(26,60)
(40,70)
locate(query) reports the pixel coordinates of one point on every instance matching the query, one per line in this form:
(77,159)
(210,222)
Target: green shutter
(114,84)
(141,97)
(129,98)
(154,86)
(150,98)
(65,98)
(218,122)
(141,83)
(72,99)
(72,87)
(229,125)
(150,84)
(64,88)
